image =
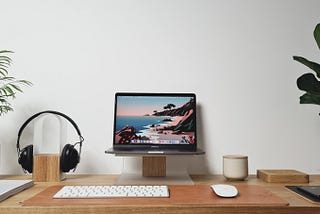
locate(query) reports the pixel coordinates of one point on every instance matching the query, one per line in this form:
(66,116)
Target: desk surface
(296,203)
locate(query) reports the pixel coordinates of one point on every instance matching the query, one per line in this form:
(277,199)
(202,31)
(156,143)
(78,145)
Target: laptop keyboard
(113,191)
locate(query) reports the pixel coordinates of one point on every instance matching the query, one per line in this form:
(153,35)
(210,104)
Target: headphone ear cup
(26,158)
(69,158)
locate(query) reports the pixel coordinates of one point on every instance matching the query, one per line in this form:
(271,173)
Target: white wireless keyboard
(112,191)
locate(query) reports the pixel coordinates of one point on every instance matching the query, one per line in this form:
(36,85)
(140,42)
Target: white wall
(235,55)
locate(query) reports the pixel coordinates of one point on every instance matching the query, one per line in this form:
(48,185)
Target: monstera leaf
(308,82)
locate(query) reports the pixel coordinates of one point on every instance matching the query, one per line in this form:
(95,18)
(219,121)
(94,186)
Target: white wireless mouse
(225,190)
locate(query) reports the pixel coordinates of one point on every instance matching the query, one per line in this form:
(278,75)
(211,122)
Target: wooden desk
(297,204)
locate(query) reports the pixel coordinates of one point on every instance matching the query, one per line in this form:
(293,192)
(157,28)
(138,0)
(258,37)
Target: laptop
(156,123)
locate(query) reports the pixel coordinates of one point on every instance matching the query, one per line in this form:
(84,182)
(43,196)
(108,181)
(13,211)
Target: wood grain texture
(297,205)
(154,166)
(46,168)
(179,194)
(282,176)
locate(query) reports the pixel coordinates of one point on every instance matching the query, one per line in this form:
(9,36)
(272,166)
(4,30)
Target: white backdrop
(235,55)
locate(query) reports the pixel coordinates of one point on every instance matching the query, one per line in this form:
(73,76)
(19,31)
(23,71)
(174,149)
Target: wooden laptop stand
(154,166)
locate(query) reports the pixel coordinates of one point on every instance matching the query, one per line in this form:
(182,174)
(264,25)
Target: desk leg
(154,166)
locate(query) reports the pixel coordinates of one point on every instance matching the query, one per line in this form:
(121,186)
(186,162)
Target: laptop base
(152,152)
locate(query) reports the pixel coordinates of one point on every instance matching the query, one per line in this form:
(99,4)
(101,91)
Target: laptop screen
(155,120)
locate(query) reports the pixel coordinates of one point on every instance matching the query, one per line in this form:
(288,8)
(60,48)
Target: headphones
(69,157)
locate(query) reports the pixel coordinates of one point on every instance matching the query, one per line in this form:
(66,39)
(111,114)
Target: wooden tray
(179,195)
(282,176)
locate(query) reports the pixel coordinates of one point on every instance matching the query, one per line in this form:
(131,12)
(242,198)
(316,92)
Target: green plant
(9,85)
(308,82)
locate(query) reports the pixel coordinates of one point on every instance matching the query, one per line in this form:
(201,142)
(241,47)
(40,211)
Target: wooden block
(46,168)
(282,176)
(154,166)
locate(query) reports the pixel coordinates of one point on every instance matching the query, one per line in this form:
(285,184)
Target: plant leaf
(316,34)
(308,98)
(312,65)
(26,82)
(9,91)
(308,82)
(8,84)
(6,51)
(16,87)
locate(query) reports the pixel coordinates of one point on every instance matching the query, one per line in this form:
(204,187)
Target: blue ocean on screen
(138,122)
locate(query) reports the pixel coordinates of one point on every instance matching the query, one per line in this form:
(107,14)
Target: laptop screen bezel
(147,147)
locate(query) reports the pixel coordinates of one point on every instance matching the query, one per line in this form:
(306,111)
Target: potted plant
(9,85)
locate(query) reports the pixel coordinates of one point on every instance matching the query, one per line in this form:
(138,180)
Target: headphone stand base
(46,168)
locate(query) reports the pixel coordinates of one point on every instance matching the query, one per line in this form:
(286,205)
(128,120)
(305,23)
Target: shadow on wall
(198,164)
(9,157)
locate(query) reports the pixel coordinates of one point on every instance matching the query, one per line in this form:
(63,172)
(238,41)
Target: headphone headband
(50,112)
